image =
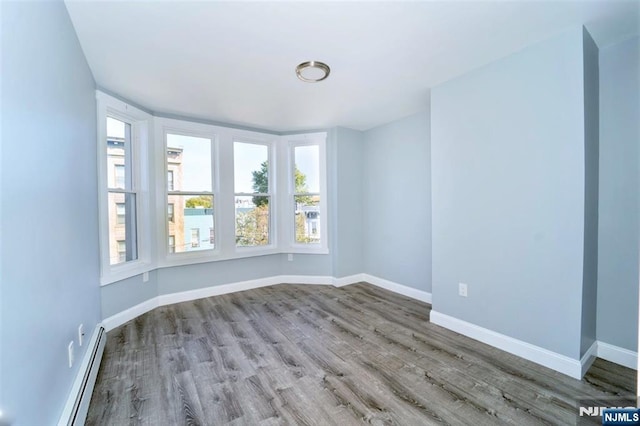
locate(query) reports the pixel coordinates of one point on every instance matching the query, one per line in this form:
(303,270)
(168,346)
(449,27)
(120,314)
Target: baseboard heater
(75,411)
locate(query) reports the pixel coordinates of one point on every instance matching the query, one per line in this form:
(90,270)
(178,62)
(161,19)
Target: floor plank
(318,355)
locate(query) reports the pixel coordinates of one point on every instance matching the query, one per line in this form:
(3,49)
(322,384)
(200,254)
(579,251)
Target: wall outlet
(80,334)
(462,289)
(70,353)
(290,257)
(145,277)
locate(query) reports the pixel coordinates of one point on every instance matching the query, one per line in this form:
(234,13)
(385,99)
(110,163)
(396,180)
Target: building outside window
(170,185)
(189,190)
(195,237)
(122,251)
(122,194)
(171,212)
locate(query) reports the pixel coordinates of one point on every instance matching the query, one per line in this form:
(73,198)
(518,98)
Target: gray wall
(121,295)
(591,141)
(348,249)
(50,261)
(619,194)
(397,201)
(508,189)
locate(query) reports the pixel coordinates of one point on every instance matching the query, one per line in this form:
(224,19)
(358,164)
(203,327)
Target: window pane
(191,212)
(251,168)
(307,170)
(119,176)
(170,179)
(122,228)
(118,154)
(122,251)
(307,217)
(189,158)
(120,213)
(252,221)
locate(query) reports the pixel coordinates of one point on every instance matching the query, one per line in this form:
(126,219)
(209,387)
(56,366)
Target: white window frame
(288,216)
(271,193)
(140,121)
(223,190)
(163,127)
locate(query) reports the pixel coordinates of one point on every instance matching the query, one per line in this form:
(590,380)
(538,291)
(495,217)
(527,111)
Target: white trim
(618,355)
(398,288)
(588,358)
(558,362)
(141,140)
(76,388)
(128,314)
(351,279)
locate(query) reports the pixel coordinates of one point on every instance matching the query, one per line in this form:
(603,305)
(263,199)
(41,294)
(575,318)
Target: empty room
(319,213)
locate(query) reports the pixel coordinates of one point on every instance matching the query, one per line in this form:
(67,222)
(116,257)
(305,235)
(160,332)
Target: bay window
(123,134)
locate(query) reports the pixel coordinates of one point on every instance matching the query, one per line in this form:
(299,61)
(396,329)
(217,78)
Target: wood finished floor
(319,355)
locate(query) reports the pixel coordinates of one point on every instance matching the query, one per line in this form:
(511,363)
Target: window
(119,175)
(306,194)
(195,237)
(122,192)
(120,213)
(170,180)
(123,189)
(226,193)
(252,194)
(122,251)
(190,196)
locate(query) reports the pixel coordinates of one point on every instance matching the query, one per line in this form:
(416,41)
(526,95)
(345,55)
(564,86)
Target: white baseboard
(398,288)
(588,358)
(167,299)
(618,355)
(128,314)
(351,279)
(564,364)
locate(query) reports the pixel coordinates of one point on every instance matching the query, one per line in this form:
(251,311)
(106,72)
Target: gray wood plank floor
(319,355)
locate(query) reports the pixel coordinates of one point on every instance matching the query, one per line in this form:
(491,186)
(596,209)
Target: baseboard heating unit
(75,411)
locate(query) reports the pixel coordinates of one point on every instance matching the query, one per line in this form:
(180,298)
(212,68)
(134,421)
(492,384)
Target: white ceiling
(234,62)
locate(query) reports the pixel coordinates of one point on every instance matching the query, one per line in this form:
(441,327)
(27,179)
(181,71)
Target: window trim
(163,127)
(140,121)
(293,141)
(271,193)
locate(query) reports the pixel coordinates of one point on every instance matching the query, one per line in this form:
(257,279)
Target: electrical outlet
(70,353)
(145,277)
(462,289)
(290,257)
(80,334)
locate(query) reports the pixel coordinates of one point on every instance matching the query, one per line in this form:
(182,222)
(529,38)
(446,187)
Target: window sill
(129,270)
(124,271)
(182,259)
